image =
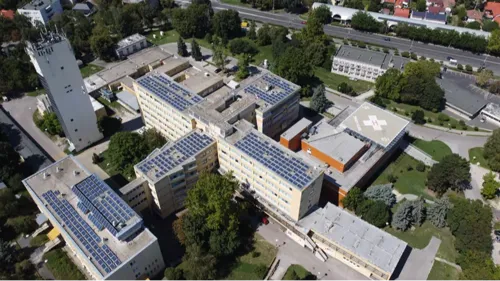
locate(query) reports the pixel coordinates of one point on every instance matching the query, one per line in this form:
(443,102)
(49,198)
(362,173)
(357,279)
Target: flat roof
(337,144)
(90,213)
(38,4)
(350,232)
(173,155)
(129,99)
(269,90)
(169,91)
(461,94)
(375,58)
(128,41)
(375,123)
(198,80)
(296,129)
(274,157)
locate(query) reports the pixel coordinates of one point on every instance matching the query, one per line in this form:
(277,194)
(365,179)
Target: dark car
(304,22)
(449,58)
(387,39)
(497,232)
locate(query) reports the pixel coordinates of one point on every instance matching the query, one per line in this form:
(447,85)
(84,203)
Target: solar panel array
(70,218)
(167,160)
(288,167)
(108,209)
(271,97)
(169,91)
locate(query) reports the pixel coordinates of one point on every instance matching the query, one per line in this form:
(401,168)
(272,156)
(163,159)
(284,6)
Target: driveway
(22,110)
(477,174)
(420,262)
(289,252)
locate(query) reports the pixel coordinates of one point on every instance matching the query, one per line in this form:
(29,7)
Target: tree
(109,125)
(490,186)
(477,265)
(345,88)
(408,213)
(243,64)
(473,25)
(181,48)
(451,173)
(418,117)
(124,151)
(484,77)
(323,14)
(293,66)
(374,212)
(388,84)
(319,102)
(252,34)
(317,53)
(24,269)
(22,224)
(489,25)
(354,4)
(353,199)
(195,51)
(242,46)
(153,139)
(470,223)
(9,206)
(421,5)
(381,193)
(194,21)
(7,255)
(199,264)
(494,42)
(102,43)
(437,212)
(50,124)
(495,87)
(227,24)
(178,228)
(9,160)
(219,57)
(492,151)
(96,158)
(365,22)
(263,35)
(173,273)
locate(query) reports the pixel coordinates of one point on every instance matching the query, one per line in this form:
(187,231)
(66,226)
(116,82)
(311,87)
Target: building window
(62,67)
(71,120)
(76,130)
(79,139)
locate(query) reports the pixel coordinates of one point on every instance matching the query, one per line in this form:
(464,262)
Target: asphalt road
(427,50)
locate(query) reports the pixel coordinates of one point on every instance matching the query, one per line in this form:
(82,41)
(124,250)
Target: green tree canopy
(252,33)
(319,102)
(494,42)
(421,5)
(374,212)
(50,124)
(353,199)
(451,173)
(125,150)
(9,160)
(492,151)
(364,21)
(227,24)
(102,43)
(388,85)
(153,139)
(243,64)
(294,66)
(194,21)
(195,51)
(323,14)
(181,47)
(490,186)
(489,25)
(263,35)
(109,125)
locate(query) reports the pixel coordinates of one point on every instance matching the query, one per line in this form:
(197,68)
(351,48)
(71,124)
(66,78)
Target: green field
(437,149)
(246,267)
(235,2)
(90,69)
(38,241)
(265,52)
(333,80)
(443,271)
(300,272)
(408,181)
(476,156)
(172,36)
(430,117)
(421,236)
(62,266)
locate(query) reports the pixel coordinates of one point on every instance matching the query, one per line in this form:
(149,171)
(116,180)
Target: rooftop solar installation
(271,96)
(275,159)
(107,208)
(169,91)
(73,222)
(173,155)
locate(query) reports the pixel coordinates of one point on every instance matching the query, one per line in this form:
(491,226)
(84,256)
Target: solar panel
(182,149)
(169,91)
(292,169)
(73,222)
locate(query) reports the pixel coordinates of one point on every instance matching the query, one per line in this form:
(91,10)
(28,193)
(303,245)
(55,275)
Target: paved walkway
(85,158)
(290,252)
(420,262)
(417,153)
(366,95)
(409,197)
(477,174)
(449,263)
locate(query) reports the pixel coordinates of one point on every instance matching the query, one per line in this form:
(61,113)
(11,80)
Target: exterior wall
(62,80)
(157,114)
(279,118)
(145,264)
(269,186)
(490,118)
(130,49)
(294,143)
(168,195)
(138,198)
(43,16)
(331,192)
(356,69)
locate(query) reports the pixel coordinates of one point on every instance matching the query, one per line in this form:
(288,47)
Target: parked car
(497,232)
(304,22)
(265,221)
(387,39)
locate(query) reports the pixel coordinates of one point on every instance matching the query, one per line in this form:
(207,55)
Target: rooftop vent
(207,74)
(75,173)
(45,175)
(269,87)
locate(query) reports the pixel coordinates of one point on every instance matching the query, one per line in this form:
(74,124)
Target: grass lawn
(246,265)
(236,3)
(476,155)
(437,149)
(497,225)
(333,80)
(90,69)
(430,117)
(408,182)
(265,52)
(300,272)
(116,180)
(172,36)
(40,240)
(62,266)
(442,271)
(36,92)
(420,237)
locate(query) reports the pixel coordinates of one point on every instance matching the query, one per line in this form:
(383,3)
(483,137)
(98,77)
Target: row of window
(139,203)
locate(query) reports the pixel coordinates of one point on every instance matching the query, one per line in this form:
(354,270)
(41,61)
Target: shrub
(443,117)
(96,158)
(255,254)
(405,54)
(414,56)
(374,212)
(392,178)
(420,167)
(460,67)
(418,117)
(241,46)
(468,68)
(476,129)
(346,42)
(409,168)
(386,50)
(362,45)
(396,52)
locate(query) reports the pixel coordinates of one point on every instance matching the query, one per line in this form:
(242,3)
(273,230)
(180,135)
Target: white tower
(58,71)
